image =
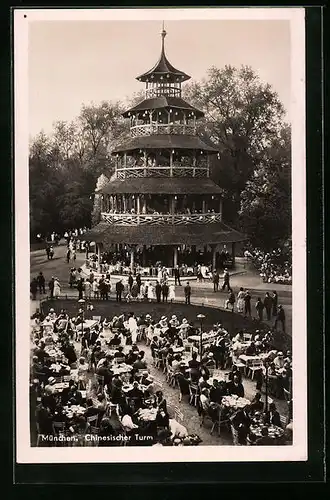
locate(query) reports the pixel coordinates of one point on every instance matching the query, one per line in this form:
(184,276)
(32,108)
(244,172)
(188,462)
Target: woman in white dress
(57,288)
(171,293)
(240,300)
(106,329)
(151,292)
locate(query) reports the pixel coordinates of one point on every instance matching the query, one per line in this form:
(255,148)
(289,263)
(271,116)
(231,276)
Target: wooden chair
(255,365)
(100,382)
(92,420)
(39,434)
(193,394)
(247,337)
(59,430)
(178,415)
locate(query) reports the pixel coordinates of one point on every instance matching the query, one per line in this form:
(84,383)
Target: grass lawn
(231,321)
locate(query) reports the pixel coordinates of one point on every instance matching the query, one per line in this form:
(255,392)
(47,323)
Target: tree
(243,116)
(265,212)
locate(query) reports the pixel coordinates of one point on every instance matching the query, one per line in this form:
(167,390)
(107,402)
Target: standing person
(247,303)
(68,255)
(171,293)
(80,288)
(240,300)
(34,288)
(51,287)
(57,288)
(216,279)
(280,317)
(51,252)
(133,328)
(187,293)
(259,308)
(177,276)
(165,290)
(158,290)
(268,303)
(226,280)
(130,282)
(151,292)
(41,282)
(88,290)
(74,254)
(138,282)
(95,288)
(119,290)
(275,302)
(230,301)
(48,252)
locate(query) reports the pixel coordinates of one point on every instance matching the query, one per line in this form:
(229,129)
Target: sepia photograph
(160,235)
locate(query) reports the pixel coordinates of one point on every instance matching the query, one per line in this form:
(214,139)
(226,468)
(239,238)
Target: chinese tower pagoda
(161,206)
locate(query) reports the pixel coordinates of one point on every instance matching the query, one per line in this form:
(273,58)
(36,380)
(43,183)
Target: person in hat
(52,314)
(247,304)
(49,387)
(51,287)
(119,290)
(187,293)
(174,322)
(230,301)
(158,291)
(279,361)
(226,280)
(280,318)
(163,322)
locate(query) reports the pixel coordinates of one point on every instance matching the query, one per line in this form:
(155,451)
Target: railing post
(171,164)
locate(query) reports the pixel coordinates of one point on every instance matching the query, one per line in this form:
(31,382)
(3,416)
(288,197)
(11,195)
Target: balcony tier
(136,172)
(160,219)
(164,185)
(162,128)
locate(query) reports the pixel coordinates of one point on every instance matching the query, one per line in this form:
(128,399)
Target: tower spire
(163,35)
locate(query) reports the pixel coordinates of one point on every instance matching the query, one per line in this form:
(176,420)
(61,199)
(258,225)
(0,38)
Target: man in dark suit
(119,290)
(177,276)
(187,293)
(216,279)
(51,287)
(236,387)
(165,290)
(41,282)
(130,281)
(241,423)
(138,281)
(158,291)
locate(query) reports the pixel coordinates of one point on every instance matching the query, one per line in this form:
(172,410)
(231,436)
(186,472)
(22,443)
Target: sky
(71,63)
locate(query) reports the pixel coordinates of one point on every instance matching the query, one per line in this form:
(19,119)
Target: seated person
(203,382)
(217,392)
(74,396)
(139,364)
(235,371)
(162,419)
(136,394)
(274,416)
(105,371)
(131,357)
(264,440)
(176,364)
(120,352)
(251,350)
(236,387)
(256,404)
(115,341)
(146,380)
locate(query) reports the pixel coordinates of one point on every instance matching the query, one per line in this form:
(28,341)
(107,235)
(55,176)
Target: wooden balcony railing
(162,128)
(162,171)
(160,219)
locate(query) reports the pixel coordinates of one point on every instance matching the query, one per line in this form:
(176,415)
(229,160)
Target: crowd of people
(274,266)
(91,382)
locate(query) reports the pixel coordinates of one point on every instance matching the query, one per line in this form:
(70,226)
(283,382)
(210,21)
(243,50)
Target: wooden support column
(98,257)
(214,257)
(208,165)
(124,204)
(194,164)
(145,163)
(144,256)
(132,259)
(233,248)
(138,208)
(125,160)
(220,208)
(171,163)
(175,256)
(203,206)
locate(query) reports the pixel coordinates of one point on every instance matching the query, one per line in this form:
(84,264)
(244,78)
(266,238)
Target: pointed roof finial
(163,35)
